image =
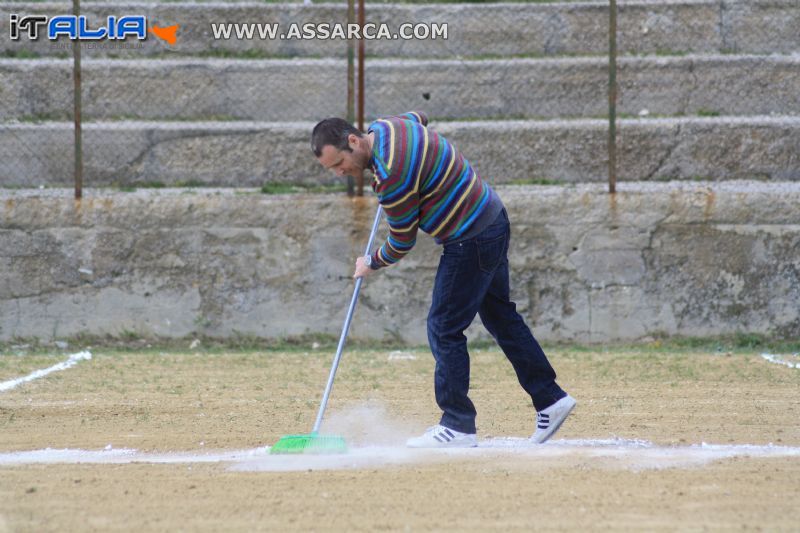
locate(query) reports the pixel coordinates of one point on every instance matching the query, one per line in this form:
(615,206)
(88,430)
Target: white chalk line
(624,454)
(71,361)
(779,359)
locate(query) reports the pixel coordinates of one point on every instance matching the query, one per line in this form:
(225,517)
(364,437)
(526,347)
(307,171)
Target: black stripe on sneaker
(449,433)
(543,426)
(438,439)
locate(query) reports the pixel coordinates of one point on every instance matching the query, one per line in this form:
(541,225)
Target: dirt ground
(199,402)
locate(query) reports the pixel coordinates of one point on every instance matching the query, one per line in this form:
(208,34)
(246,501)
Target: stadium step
(699,96)
(252,153)
(309,89)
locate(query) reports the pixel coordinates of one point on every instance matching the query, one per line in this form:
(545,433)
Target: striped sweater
(423,182)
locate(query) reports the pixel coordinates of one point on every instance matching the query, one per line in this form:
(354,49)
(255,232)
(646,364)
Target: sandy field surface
(167,441)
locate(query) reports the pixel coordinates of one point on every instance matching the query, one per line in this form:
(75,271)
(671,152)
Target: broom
(314,442)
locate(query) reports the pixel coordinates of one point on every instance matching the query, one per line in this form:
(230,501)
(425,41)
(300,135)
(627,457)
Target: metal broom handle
(346,328)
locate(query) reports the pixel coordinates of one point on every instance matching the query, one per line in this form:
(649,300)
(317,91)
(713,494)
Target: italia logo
(78,29)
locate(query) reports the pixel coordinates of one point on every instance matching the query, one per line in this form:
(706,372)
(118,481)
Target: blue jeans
(473,279)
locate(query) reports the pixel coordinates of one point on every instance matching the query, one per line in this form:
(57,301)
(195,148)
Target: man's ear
(352,141)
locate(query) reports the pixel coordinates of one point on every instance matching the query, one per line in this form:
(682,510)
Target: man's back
(423,182)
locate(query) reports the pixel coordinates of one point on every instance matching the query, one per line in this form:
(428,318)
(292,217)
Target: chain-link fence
(521,86)
(206,98)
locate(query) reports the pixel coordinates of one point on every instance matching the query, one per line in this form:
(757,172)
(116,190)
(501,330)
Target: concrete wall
(674,258)
(251,153)
(305,89)
(234,122)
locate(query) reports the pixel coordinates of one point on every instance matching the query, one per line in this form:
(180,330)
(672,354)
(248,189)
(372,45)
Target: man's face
(344,162)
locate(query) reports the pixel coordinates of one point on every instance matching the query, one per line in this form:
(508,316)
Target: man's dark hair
(333,131)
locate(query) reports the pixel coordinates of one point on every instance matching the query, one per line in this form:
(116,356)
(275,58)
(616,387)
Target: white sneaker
(549,420)
(439,436)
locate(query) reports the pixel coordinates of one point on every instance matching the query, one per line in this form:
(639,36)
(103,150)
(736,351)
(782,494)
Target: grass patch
(45,117)
(190,184)
(253,53)
(738,343)
(707,113)
(151,184)
(21,54)
(128,341)
(532,55)
(495,118)
(19,187)
(292,188)
(203,118)
(133,187)
(536,181)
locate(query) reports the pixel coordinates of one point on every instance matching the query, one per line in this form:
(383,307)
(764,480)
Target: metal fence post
(361,83)
(612,98)
(76,70)
(351,114)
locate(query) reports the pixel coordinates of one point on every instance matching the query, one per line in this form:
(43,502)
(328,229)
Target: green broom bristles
(309,443)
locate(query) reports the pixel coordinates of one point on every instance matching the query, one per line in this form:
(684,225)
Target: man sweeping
(424,183)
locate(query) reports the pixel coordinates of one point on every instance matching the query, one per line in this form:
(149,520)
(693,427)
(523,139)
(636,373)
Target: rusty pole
(612,98)
(351,114)
(361,83)
(76,70)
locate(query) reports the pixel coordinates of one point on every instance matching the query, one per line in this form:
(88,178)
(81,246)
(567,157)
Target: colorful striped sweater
(423,182)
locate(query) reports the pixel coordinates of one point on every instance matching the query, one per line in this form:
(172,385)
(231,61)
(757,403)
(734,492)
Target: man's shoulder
(386,134)
(385,123)
(382,130)
(417,118)
(393,136)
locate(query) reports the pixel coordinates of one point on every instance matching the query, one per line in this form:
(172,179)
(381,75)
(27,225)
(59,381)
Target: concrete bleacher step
(557,28)
(311,89)
(223,121)
(251,153)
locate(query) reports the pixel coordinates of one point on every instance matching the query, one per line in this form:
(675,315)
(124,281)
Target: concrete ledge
(574,28)
(672,258)
(251,153)
(124,153)
(279,90)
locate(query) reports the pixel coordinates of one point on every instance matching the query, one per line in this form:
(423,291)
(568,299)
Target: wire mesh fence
(181,102)
(225,93)
(229,100)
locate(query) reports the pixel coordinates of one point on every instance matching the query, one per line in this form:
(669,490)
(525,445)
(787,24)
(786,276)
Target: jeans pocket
(490,253)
